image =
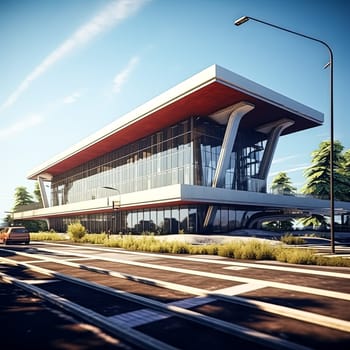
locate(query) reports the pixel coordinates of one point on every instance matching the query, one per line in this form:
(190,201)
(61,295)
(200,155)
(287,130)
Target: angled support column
(43,192)
(234,114)
(275,131)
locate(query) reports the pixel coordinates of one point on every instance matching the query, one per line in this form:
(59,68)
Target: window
(154,161)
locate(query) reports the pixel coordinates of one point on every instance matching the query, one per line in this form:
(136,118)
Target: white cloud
(298,168)
(283,159)
(72,98)
(111,15)
(291,170)
(122,76)
(21,125)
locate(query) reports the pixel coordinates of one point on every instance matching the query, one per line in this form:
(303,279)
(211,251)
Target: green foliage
(76,231)
(35,225)
(332,261)
(288,238)
(315,220)
(94,238)
(280,225)
(296,256)
(22,197)
(46,236)
(8,219)
(318,174)
(345,164)
(252,249)
(281,184)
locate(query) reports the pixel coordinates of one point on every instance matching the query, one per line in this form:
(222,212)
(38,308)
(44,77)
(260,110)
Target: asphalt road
(322,293)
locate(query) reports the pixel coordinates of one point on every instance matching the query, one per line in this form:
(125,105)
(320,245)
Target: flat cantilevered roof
(203,94)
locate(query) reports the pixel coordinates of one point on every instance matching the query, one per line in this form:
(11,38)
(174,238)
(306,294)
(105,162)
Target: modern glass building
(194,159)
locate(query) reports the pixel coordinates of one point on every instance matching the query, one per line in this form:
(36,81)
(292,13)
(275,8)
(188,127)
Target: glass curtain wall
(245,157)
(161,159)
(177,219)
(185,153)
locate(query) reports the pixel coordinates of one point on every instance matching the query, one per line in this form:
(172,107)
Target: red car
(15,234)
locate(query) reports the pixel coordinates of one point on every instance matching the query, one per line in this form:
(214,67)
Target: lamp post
(115,207)
(244,19)
(114,189)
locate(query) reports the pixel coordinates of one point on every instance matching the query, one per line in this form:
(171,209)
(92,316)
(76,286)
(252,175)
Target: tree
(318,174)
(314,221)
(8,219)
(344,170)
(278,225)
(281,184)
(22,197)
(346,162)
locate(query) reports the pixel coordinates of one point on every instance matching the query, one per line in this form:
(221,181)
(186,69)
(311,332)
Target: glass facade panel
(185,153)
(167,220)
(158,160)
(245,157)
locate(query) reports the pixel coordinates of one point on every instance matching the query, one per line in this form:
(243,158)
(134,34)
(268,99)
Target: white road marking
(39,281)
(241,288)
(225,262)
(287,286)
(227,295)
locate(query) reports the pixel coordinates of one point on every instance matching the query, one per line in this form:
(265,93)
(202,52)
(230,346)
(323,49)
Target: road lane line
(226,294)
(120,330)
(309,290)
(212,261)
(223,326)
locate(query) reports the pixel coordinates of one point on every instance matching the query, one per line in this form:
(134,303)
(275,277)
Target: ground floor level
(176,219)
(187,209)
(164,220)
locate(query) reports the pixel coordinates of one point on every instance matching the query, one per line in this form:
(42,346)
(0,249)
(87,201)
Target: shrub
(227,250)
(295,256)
(46,236)
(206,249)
(94,238)
(179,247)
(76,231)
(252,249)
(288,238)
(332,261)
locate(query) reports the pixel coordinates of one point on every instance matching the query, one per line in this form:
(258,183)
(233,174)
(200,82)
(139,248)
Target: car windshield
(19,230)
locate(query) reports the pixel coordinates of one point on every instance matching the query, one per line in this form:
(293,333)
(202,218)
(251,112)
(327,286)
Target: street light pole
(113,189)
(244,19)
(113,206)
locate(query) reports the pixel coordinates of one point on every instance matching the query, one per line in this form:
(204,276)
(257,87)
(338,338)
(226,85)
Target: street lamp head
(328,64)
(111,188)
(241,20)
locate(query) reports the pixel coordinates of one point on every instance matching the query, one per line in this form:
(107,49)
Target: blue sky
(70,67)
